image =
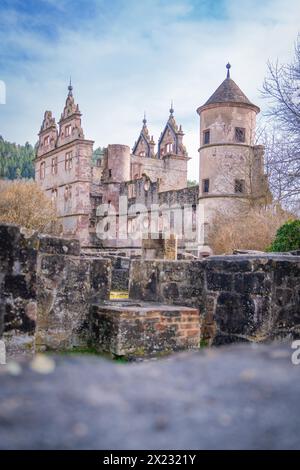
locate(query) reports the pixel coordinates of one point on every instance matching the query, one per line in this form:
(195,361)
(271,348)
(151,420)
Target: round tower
(231,166)
(118,163)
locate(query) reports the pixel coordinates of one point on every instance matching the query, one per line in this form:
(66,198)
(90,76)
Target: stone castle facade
(151,180)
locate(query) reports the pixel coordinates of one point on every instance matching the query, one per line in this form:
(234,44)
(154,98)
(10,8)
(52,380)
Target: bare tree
(282,89)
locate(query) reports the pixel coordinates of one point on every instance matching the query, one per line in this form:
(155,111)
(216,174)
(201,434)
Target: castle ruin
(89,195)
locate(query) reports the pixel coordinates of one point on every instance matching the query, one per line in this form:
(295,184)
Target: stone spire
(144,146)
(70,121)
(70,88)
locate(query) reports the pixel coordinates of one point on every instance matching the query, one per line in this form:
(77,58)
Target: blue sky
(127,56)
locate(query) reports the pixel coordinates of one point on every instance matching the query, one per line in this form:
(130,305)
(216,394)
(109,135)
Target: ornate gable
(48,134)
(170,141)
(144,146)
(48,122)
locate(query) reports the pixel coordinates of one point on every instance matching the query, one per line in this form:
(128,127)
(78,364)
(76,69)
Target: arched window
(142,153)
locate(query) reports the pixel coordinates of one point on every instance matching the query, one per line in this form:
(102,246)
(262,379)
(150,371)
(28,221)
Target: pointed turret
(70,121)
(144,146)
(170,141)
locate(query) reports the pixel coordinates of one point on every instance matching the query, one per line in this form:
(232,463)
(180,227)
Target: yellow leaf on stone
(42,364)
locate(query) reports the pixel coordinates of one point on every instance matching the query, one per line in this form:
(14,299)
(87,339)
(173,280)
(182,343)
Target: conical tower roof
(228,92)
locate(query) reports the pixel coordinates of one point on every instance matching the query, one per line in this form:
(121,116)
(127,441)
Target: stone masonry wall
(18,290)
(67,283)
(45,291)
(240,298)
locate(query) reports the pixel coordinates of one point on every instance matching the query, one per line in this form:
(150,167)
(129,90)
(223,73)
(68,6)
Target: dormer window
(68,161)
(206,137)
(240,134)
(42,170)
(68,130)
(46,141)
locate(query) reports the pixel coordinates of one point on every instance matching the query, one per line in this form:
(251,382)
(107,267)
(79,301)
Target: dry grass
(254,230)
(24,203)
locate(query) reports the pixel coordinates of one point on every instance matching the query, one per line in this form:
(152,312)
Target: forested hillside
(16,161)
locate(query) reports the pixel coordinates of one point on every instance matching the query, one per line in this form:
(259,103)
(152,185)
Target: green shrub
(287,237)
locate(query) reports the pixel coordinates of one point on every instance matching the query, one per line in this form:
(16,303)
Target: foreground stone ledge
(138,329)
(235,397)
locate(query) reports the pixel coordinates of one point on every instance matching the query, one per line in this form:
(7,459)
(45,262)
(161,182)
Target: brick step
(141,329)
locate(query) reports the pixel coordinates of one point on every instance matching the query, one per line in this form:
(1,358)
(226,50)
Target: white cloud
(139,59)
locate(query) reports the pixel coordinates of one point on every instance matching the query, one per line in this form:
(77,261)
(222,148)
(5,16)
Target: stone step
(142,329)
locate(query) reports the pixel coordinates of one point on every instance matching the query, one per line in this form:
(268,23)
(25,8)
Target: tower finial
(70,88)
(171,109)
(144,120)
(228,66)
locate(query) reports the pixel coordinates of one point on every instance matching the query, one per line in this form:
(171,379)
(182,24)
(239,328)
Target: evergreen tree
(16,161)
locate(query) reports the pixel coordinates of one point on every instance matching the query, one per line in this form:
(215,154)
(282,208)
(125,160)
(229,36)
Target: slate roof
(228,92)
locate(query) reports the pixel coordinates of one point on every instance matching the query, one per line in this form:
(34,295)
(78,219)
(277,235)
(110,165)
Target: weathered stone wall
(120,272)
(240,298)
(137,329)
(159,247)
(169,282)
(45,291)
(66,285)
(18,290)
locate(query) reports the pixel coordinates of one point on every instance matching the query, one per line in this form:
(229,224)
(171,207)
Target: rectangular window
(46,141)
(54,166)
(239,186)
(68,161)
(68,130)
(206,137)
(205,186)
(54,196)
(109,173)
(172,220)
(42,170)
(194,217)
(169,148)
(240,134)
